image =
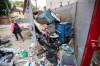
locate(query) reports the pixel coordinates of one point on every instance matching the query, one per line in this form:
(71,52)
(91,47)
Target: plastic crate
(65,30)
(68,29)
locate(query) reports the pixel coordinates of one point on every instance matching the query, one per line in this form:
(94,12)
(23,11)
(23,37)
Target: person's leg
(16,36)
(20,35)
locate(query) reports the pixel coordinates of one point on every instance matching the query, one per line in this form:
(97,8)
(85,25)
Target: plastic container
(24,54)
(68,60)
(65,30)
(49,16)
(61,29)
(68,29)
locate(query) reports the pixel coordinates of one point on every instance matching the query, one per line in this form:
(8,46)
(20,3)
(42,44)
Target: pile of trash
(54,40)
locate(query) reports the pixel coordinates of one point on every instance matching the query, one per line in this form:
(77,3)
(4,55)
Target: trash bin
(50,16)
(68,60)
(65,29)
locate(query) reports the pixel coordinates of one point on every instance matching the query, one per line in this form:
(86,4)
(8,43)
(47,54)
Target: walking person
(16,30)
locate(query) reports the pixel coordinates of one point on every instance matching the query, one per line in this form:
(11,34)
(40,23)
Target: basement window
(60,4)
(68,2)
(51,4)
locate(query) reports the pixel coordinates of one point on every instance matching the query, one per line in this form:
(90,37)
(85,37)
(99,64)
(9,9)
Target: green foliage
(33,8)
(5,7)
(21,4)
(18,3)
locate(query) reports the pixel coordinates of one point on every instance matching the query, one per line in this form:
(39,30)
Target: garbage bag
(3,41)
(68,60)
(25,54)
(6,64)
(6,56)
(67,48)
(52,58)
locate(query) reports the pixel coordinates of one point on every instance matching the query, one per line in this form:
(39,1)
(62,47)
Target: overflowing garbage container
(65,30)
(59,32)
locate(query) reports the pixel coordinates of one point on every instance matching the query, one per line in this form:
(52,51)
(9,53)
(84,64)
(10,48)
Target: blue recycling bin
(68,29)
(65,29)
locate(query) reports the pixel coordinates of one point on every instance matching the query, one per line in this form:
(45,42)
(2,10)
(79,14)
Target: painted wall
(82,23)
(4,20)
(57,3)
(67,12)
(83,20)
(17,15)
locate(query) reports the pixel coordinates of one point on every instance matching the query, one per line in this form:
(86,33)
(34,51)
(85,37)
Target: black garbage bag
(6,56)
(53,58)
(4,42)
(52,49)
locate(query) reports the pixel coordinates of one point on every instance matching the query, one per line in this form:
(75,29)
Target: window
(68,2)
(60,4)
(51,4)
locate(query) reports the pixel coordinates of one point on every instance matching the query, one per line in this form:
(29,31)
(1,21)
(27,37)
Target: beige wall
(67,12)
(57,3)
(20,0)
(83,20)
(17,15)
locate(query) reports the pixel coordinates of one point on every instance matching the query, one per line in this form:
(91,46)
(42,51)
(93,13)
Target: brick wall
(4,20)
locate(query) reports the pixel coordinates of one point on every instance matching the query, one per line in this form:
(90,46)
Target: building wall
(20,0)
(4,20)
(17,15)
(53,4)
(82,24)
(66,12)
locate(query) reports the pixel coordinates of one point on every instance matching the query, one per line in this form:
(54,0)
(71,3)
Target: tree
(34,8)
(5,7)
(21,4)
(18,3)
